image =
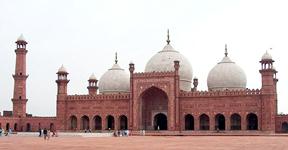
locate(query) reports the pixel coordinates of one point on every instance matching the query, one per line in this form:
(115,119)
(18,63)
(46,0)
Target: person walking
(40,132)
(45,133)
(48,134)
(1,131)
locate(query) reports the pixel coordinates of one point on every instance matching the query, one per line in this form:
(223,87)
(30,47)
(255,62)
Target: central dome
(164,61)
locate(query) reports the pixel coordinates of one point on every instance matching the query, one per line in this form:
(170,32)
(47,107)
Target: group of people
(5,132)
(46,133)
(88,131)
(118,133)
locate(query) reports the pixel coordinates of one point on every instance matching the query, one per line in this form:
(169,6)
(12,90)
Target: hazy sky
(84,35)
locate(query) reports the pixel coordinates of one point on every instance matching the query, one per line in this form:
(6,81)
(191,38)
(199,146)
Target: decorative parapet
(282,115)
(39,117)
(154,74)
(246,92)
(99,97)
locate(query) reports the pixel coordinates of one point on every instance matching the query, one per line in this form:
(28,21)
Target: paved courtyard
(147,142)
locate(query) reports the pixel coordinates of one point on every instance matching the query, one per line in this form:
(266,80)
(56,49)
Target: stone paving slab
(147,143)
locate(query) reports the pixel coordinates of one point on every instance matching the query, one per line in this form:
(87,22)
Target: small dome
(62,69)
(21,38)
(266,56)
(226,75)
(92,77)
(164,61)
(114,80)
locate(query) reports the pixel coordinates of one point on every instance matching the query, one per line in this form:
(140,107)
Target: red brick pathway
(148,143)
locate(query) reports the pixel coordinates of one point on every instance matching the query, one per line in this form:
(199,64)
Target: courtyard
(147,142)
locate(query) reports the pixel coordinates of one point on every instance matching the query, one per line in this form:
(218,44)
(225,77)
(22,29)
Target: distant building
(160,98)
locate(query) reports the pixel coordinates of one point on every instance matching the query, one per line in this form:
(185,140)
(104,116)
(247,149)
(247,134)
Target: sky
(84,35)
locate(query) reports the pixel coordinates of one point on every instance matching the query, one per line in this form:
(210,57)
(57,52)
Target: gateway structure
(163,97)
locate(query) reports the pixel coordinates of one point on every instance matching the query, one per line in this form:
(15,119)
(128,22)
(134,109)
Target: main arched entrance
(153,109)
(160,122)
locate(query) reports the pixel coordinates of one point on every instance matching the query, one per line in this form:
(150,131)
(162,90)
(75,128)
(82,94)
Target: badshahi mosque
(163,97)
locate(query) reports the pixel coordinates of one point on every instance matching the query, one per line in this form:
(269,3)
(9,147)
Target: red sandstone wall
(9,120)
(101,105)
(280,120)
(223,104)
(38,122)
(21,124)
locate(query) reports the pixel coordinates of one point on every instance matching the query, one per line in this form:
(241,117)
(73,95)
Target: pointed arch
(84,123)
(110,122)
(28,127)
(153,101)
(252,121)
(204,122)
(285,127)
(219,122)
(235,121)
(97,122)
(15,127)
(123,125)
(73,122)
(189,122)
(7,126)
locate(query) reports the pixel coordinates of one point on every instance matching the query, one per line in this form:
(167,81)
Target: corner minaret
(61,108)
(19,97)
(269,93)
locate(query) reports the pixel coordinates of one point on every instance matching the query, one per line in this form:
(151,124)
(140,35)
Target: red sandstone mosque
(160,98)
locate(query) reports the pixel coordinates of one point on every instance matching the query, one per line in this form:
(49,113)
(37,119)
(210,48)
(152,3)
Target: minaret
(61,113)
(19,97)
(269,93)
(92,87)
(267,73)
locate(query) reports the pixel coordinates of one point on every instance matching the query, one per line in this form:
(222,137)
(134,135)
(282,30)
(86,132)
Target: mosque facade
(163,97)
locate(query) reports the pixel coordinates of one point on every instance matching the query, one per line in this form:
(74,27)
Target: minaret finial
(168,37)
(116,59)
(226,51)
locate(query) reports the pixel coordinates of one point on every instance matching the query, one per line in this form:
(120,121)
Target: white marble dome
(115,80)
(164,61)
(226,75)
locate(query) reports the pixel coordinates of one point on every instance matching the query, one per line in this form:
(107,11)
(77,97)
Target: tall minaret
(269,93)
(19,97)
